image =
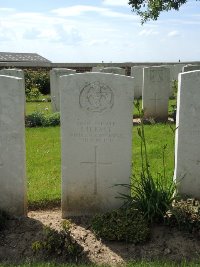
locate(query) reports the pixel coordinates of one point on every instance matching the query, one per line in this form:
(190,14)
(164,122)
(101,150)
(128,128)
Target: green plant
(151,195)
(186,215)
(59,243)
(37,119)
(52,119)
(34,119)
(124,224)
(32,94)
(39,79)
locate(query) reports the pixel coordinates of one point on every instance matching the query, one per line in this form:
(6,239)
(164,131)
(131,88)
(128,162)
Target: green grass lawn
(43,165)
(44,162)
(38,106)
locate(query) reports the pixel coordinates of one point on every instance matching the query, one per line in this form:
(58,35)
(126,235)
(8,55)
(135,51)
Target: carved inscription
(99,131)
(156,75)
(96,163)
(96,97)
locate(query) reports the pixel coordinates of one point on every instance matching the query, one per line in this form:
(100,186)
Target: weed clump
(186,215)
(58,243)
(124,224)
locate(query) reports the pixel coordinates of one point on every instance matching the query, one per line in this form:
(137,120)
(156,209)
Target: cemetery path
(165,243)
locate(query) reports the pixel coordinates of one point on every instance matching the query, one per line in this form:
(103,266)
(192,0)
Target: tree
(151,9)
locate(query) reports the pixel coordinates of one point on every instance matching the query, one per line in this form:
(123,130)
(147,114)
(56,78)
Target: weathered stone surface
(97,69)
(191,68)
(12,72)
(114,70)
(96,130)
(187,147)
(12,146)
(55,74)
(137,73)
(155,95)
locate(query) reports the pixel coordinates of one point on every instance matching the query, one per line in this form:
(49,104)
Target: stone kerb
(114,70)
(96,138)
(155,92)
(55,74)
(12,146)
(187,146)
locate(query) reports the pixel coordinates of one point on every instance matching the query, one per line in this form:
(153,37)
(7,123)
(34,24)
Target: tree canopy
(151,9)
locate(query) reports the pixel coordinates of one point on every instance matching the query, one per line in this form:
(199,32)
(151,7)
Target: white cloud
(115,2)
(5,9)
(98,42)
(78,10)
(173,34)
(148,32)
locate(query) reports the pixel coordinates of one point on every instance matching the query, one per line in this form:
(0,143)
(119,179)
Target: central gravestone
(96,129)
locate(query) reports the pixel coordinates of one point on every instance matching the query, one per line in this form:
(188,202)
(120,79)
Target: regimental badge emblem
(96,97)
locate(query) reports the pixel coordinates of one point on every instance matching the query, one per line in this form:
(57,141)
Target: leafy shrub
(33,94)
(121,225)
(39,79)
(3,218)
(34,119)
(39,119)
(52,119)
(59,243)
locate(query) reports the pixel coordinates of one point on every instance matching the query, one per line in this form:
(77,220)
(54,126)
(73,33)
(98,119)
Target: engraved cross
(96,163)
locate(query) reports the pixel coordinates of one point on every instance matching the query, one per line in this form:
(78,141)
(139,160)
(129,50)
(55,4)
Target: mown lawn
(43,165)
(44,161)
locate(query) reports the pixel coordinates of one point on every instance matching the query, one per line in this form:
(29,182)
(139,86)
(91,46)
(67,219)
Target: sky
(98,31)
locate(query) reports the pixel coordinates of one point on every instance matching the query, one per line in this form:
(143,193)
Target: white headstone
(155,92)
(115,70)
(96,130)
(137,73)
(97,69)
(191,68)
(12,146)
(12,72)
(55,74)
(176,69)
(187,147)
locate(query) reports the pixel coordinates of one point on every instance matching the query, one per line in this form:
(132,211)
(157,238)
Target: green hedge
(39,119)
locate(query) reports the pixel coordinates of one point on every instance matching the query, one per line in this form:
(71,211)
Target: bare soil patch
(166,243)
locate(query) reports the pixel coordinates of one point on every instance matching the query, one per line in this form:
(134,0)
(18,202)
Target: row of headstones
(155,82)
(96,133)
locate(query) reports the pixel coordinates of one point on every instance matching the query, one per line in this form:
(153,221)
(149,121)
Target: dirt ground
(166,243)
